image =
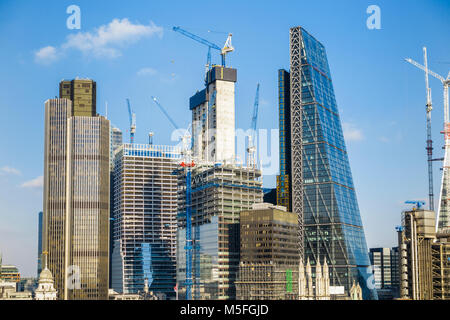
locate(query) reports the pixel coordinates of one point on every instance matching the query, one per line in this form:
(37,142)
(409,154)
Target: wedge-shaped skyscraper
(319,179)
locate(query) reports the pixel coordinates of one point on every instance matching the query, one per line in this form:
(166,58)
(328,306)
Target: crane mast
(251,150)
(132,117)
(429,107)
(187,164)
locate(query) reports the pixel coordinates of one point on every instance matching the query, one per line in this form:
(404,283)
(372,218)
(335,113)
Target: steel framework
(296,132)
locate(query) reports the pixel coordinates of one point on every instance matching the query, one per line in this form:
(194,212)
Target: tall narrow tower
(213,116)
(76,199)
(323,194)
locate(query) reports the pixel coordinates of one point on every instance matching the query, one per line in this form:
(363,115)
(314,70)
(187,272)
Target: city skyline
(377,135)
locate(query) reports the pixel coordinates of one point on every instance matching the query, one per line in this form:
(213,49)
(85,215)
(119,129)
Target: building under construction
(219,193)
(145,224)
(440,260)
(424,262)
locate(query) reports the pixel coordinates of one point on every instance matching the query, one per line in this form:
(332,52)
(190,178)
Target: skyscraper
(213,116)
(385,269)
(39,259)
(76,198)
(320,180)
(269,260)
(220,190)
(284,188)
(145,218)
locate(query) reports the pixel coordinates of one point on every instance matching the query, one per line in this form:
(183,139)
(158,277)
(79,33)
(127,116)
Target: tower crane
(443,217)
(132,117)
(228,47)
(187,164)
(251,150)
(429,148)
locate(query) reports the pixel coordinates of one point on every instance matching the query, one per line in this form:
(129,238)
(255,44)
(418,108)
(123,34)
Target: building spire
(45,254)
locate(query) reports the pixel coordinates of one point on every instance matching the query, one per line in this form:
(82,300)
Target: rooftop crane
(251,150)
(132,117)
(444,202)
(228,47)
(187,164)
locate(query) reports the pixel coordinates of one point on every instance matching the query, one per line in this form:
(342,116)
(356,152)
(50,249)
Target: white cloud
(46,55)
(146,72)
(34,183)
(351,133)
(104,41)
(8,170)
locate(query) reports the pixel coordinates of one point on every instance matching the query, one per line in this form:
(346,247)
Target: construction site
(424,235)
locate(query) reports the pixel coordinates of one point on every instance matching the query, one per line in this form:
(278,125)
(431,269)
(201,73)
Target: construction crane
(187,164)
(429,148)
(228,47)
(444,202)
(251,150)
(132,117)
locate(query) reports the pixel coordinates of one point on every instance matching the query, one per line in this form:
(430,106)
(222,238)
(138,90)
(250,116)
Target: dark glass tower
(283,183)
(321,186)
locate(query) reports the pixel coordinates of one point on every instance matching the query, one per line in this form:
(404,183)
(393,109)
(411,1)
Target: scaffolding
(219,193)
(440,256)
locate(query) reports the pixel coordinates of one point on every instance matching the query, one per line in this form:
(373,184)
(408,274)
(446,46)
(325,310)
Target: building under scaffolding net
(219,193)
(145,209)
(269,254)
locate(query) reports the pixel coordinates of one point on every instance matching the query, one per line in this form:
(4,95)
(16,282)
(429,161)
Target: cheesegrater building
(315,180)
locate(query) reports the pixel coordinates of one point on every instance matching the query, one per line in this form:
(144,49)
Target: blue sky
(381,98)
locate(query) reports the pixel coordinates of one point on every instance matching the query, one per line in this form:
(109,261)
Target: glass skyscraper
(322,191)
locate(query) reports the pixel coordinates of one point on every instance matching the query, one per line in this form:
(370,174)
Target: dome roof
(46,276)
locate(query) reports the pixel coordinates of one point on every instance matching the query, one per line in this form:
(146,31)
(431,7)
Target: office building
(116,141)
(82,93)
(318,185)
(145,219)
(76,195)
(270,266)
(284,188)
(220,189)
(9,273)
(219,193)
(385,270)
(269,254)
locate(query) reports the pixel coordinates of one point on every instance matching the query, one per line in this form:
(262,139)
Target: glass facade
(332,222)
(284,189)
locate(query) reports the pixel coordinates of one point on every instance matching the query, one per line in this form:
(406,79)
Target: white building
(45,289)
